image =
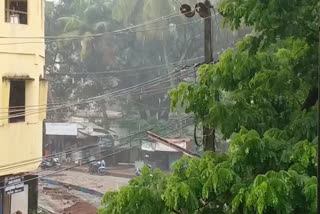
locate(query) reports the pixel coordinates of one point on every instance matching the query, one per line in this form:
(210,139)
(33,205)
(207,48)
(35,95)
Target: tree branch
(311,99)
(175,211)
(204,204)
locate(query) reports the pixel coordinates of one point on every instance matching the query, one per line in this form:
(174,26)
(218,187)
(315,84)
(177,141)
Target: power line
(68,168)
(32,112)
(37,160)
(48,104)
(161,80)
(117,97)
(5,167)
(127,70)
(163,77)
(43,110)
(30,163)
(159,19)
(65,169)
(109,155)
(136,31)
(139,91)
(66,40)
(118,146)
(178,2)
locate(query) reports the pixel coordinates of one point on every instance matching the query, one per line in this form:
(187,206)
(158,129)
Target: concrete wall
(22,141)
(129,156)
(34,28)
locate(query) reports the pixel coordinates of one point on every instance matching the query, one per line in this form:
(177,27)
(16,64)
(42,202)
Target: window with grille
(17,101)
(16,11)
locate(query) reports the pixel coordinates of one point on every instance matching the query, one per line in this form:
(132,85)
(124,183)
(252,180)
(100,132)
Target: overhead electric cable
(162,79)
(127,70)
(6,167)
(159,19)
(100,153)
(43,110)
(117,32)
(136,31)
(68,168)
(48,104)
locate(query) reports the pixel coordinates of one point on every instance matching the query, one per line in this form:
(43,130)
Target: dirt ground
(94,182)
(55,199)
(80,208)
(67,201)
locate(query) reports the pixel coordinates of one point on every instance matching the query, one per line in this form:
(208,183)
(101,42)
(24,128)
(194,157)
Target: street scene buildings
(159,106)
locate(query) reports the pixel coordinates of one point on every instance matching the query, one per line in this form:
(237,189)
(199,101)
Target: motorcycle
(98,167)
(50,163)
(138,170)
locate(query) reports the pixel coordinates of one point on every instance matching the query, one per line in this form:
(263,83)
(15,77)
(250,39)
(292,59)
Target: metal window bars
(16,12)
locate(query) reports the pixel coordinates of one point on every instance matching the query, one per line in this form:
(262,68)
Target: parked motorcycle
(138,170)
(50,163)
(98,167)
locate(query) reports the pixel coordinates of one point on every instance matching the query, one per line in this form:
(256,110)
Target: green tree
(130,50)
(260,95)
(258,175)
(82,19)
(111,52)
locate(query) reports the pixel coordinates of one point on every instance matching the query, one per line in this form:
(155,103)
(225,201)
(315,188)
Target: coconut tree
(156,43)
(91,18)
(80,50)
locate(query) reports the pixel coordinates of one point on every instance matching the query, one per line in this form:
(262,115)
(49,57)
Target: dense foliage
(259,175)
(108,54)
(260,95)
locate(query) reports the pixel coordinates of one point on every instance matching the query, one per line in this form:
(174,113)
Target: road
(56,198)
(94,182)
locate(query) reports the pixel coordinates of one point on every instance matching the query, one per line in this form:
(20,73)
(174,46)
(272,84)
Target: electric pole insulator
(187,10)
(202,9)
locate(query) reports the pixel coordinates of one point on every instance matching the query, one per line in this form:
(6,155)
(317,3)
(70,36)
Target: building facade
(23,98)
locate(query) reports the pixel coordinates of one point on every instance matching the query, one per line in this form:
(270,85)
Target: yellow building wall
(22,57)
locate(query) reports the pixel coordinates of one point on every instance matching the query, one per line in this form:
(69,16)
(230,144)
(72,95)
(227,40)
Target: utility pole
(204,10)
(208,140)
(207,33)
(318,192)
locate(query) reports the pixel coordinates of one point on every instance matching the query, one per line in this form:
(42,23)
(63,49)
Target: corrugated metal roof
(91,125)
(112,115)
(92,134)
